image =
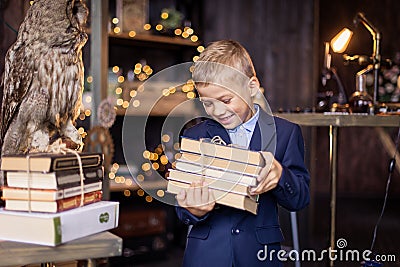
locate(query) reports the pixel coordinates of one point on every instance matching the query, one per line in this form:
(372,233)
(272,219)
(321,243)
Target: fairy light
(166,92)
(115,20)
(82,116)
(140,192)
(125,104)
(155,166)
(132,93)
(120,101)
(118,90)
(185,35)
(195,58)
(164,159)
(121,79)
(146,166)
(178,32)
(136,103)
(190,95)
(176,147)
(127,193)
(140,178)
(158,150)
(115,69)
(88,113)
(117,29)
(129,182)
(147,27)
(132,34)
(148,198)
(164,15)
(111,175)
(81,130)
(165,138)
(160,193)
(89,79)
(146,154)
(194,38)
(88,99)
(159,27)
(200,48)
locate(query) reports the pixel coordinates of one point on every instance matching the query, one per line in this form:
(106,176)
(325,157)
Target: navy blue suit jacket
(231,237)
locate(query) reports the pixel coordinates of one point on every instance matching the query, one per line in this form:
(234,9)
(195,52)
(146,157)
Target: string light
(132,34)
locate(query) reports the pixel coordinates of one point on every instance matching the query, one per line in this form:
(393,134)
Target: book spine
(74,202)
(71,163)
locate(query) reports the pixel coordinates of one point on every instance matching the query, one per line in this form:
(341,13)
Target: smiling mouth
(226,119)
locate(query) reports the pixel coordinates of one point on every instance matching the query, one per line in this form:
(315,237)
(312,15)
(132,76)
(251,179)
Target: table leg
(333,133)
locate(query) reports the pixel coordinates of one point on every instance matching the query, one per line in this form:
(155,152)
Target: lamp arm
(376,55)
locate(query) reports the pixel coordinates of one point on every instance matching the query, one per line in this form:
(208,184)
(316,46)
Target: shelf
(341,120)
(147,38)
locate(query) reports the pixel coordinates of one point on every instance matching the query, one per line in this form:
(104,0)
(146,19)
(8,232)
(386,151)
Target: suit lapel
(264,136)
(216,129)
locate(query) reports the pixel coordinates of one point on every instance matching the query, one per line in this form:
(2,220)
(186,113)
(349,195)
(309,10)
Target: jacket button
(235,231)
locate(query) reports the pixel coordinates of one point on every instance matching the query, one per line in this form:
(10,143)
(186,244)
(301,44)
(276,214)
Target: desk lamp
(340,42)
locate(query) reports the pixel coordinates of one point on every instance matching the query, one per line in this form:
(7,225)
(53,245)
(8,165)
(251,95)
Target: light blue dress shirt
(241,135)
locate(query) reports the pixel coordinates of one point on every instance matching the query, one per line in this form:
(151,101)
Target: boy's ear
(254,86)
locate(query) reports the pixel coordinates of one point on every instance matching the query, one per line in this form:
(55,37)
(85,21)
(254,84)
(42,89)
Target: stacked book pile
(53,183)
(229,172)
(49,193)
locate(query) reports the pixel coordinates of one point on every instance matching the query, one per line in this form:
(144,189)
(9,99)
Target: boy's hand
(198,199)
(269,175)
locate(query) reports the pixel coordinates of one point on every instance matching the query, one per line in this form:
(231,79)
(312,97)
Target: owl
(43,78)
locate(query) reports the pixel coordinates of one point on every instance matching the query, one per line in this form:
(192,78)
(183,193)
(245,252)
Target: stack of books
(229,172)
(53,183)
(44,191)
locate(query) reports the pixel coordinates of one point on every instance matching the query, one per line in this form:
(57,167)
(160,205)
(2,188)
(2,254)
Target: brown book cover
(48,194)
(53,180)
(213,183)
(49,162)
(232,153)
(224,175)
(53,206)
(221,197)
(221,164)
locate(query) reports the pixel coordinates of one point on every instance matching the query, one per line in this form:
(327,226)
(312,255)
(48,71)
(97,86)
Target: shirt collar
(250,124)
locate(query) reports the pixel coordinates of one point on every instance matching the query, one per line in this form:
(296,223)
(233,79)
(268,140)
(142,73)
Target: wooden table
(100,245)
(334,122)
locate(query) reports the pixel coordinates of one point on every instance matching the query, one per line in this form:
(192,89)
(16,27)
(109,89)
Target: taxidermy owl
(43,78)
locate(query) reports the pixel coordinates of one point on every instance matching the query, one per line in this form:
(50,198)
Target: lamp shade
(340,42)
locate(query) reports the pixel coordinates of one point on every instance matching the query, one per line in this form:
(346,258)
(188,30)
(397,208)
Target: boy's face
(226,106)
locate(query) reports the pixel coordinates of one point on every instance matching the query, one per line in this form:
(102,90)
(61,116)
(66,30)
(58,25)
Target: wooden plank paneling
(278,35)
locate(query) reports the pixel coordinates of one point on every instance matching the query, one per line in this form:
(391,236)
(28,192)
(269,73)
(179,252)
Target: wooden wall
(279,37)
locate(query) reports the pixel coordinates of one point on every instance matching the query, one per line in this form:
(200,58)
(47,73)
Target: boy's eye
(226,101)
(207,104)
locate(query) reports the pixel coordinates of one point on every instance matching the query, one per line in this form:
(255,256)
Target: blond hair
(219,57)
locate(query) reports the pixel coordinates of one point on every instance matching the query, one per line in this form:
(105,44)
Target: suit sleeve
(292,191)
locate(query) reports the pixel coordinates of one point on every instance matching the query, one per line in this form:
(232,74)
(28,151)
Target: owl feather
(43,78)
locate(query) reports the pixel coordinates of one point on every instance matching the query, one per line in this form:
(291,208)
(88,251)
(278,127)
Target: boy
(222,236)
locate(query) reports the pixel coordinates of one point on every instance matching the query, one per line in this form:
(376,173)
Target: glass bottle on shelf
(360,101)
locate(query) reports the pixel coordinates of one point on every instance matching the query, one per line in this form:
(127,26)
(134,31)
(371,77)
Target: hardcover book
(48,194)
(53,180)
(54,229)
(49,162)
(221,197)
(53,206)
(223,175)
(214,183)
(221,164)
(231,153)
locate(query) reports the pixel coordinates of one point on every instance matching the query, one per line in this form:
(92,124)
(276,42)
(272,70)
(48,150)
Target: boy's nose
(219,109)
